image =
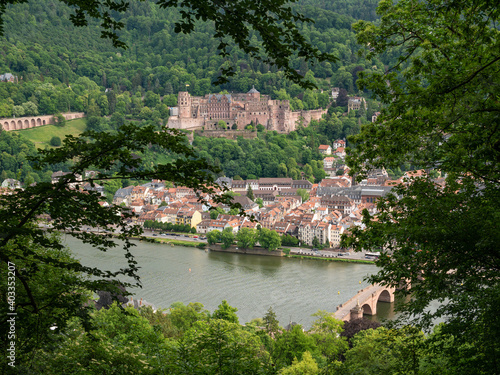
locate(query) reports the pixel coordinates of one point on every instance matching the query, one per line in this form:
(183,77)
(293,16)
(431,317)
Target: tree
(260,202)
(246,238)
(327,333)
(271,322)
(217,346)
(55,141)
(289,240)
(214,213)
(226,312)
(30,108)
(250,193)
(214,237)
(303,194)
(17,111)
(37,253)
(111,344)
(307,366)
(227,237)
(315,242)
(291,345)
(385,350)
(276,23)
(282,170)
(440,111)
(184,317)
(342,99)
(269,239)
(352,327)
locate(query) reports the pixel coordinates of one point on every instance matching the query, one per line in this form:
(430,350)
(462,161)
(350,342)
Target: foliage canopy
(441,113)
(235,23)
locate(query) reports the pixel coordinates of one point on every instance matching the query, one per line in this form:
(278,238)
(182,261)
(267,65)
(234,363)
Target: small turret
(356,311)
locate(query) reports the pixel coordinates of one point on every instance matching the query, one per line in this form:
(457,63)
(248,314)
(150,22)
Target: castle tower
(184,103)
(253,93)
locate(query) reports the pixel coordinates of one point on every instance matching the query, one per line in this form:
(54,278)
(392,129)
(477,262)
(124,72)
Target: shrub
(55,141)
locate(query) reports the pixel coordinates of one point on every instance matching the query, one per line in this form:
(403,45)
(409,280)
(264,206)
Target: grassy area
(177,242)
(42,135)
(331,259)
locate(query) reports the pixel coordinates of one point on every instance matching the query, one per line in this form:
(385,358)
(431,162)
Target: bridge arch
(26,124)
(32,123)
(365,302)
(38,122)
(19,124)
(385,296)
(367,309)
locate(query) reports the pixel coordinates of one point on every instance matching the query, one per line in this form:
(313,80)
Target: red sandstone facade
(237,109)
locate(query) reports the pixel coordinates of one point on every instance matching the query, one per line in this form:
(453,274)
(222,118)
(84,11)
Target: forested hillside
(41,44)
(60,68)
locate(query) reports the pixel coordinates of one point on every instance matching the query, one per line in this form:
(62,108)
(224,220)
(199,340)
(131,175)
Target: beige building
(355,103)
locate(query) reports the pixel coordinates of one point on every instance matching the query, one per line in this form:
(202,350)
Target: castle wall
(240,109)
(306,116)
(230,134)
(176,122)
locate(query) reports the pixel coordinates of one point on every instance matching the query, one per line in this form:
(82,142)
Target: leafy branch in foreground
(441,112)
(36,250)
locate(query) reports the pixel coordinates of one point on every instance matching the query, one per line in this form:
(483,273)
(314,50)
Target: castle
(240,109)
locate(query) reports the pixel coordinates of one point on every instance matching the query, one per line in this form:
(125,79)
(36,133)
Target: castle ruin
(240,109)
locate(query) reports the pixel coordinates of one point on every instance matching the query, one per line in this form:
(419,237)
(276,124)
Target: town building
(355,103)
(325,149)
(8,77)
(338,143)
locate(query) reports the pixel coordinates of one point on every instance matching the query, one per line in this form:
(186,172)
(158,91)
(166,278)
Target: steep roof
(253,91)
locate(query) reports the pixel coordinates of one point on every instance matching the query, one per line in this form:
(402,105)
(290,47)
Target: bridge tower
(356,312)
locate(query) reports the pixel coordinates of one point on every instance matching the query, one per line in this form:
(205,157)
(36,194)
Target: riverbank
(345,260)
(176,242)
(295,253)
(240,250)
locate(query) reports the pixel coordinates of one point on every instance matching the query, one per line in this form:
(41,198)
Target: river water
(295,288)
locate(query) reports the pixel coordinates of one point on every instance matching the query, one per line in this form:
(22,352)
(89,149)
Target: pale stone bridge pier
(364,302)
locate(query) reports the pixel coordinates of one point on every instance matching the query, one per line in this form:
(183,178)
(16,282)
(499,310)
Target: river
(295,288)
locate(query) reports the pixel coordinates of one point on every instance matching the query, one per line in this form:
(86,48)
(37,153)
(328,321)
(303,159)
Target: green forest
(59,74)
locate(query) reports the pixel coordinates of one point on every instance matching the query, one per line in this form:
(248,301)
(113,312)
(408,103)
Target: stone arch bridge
(364,302)
(21,123)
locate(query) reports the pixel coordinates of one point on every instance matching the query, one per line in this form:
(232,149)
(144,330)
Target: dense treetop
(441,111)
(36,46)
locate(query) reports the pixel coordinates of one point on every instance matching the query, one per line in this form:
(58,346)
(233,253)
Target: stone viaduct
(34,121)
(365,302)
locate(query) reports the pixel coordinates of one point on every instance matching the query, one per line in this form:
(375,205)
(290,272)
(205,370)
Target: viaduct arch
(21,123)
